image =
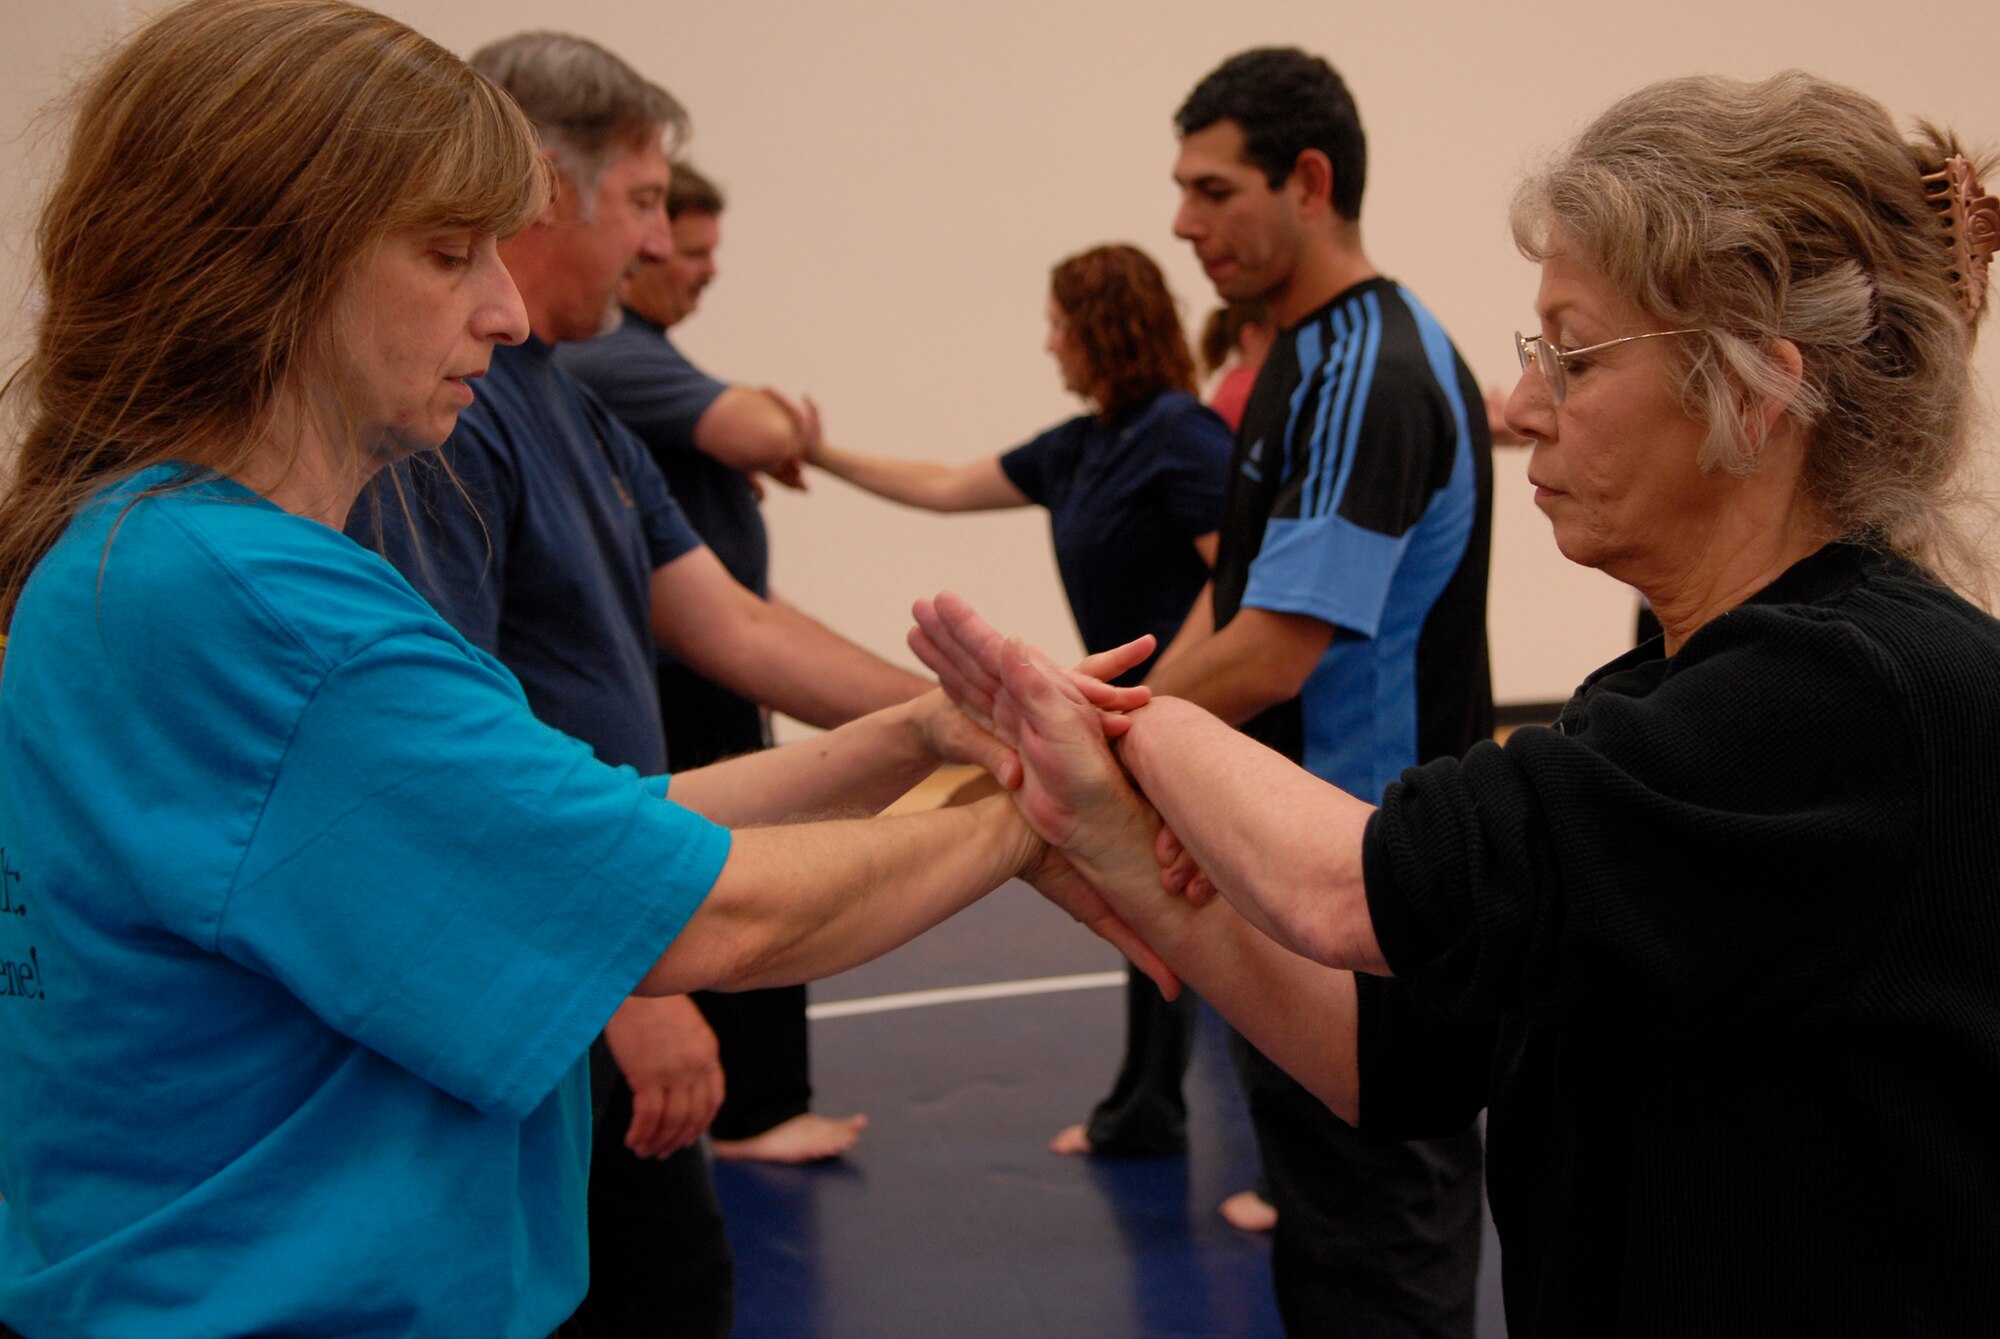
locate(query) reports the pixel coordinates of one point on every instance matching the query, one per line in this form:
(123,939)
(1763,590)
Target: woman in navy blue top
(1134,492)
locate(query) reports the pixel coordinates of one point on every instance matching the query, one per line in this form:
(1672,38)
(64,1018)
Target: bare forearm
(799,902)
(857,768)
(814,674)
(746,429)
(1073,793)
(1255,661)
(979,486)
(769,652)
(1299,1013)
(1281,844)
(1204,673)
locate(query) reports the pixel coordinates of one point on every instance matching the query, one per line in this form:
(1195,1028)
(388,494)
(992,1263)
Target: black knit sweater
(1720,954)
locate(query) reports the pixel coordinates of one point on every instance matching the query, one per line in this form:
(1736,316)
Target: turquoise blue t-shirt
(306,923)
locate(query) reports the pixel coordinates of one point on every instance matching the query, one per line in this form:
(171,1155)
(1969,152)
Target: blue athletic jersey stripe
(1342,352)
(1319,386)
(1368,341)
(1290,576)
(1361,710)
(1336,391)
(1311,353)
(1372,519)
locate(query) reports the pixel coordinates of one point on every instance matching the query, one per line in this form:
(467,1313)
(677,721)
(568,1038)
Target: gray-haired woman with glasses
(1718,955)
(1554,362)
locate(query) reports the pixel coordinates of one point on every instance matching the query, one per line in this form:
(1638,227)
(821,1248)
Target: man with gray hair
(574,566)
(708,437)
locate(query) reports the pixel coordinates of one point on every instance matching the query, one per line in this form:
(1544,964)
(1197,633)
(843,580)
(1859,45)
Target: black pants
(760,1033)
(762,1037)
(660,1264)
(1146,1112)
(1372,1239)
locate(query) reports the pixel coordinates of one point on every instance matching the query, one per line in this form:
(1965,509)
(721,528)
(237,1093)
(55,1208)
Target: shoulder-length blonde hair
(226,167)
(1790,208)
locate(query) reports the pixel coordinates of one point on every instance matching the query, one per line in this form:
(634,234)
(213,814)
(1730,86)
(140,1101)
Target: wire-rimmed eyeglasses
(1553,363)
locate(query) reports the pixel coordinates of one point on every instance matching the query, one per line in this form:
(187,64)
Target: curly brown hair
(1126,324)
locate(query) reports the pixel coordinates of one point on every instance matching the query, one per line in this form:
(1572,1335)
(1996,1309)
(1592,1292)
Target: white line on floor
(996,990)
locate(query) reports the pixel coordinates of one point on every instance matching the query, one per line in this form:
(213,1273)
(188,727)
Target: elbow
(1275,653)
(1333,927)
(730,642)
(1320,939)
(715,950)
(754,446)
(747,430)
(1342,1102)
(771,448)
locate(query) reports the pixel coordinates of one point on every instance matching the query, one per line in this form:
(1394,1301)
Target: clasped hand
(1069,788)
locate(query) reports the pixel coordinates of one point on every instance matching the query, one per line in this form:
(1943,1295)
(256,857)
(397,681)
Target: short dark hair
(690,192)
(1124,320)
(1286,101)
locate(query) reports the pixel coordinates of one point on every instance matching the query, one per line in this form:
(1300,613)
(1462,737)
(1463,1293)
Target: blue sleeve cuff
(1326,567)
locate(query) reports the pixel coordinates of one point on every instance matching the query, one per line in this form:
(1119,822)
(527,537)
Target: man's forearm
(979,485)
(768,651)
(810,672)
(1254,662)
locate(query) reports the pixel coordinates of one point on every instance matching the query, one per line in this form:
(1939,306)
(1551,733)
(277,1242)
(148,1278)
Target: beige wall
(903,174)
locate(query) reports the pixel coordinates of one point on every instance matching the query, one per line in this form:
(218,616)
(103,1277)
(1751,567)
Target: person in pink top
(1234,341)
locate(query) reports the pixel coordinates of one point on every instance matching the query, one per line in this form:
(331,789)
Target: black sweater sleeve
(1701,843)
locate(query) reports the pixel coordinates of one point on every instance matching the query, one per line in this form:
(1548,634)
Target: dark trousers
(660,1264)
(765,1064)
(761,1033)
(1146,1112)
(1374,1240)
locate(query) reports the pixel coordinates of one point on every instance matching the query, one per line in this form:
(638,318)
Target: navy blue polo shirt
(654,390)
(535,531)
(1126,501)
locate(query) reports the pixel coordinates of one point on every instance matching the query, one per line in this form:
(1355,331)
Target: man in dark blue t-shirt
(707,437)
(573,565)
(1346,625)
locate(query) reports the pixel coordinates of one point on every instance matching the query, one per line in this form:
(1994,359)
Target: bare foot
(810,1137)
(1249,1211)
(1069,1141)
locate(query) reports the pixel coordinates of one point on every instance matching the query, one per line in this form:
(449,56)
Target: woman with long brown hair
(307,921)
(1134,491)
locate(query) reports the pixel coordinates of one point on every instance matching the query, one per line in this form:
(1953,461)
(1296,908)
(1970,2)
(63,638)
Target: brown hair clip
(1971,221)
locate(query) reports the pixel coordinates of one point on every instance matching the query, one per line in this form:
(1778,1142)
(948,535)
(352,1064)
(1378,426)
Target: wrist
(921,718)
(1022,850)
(1129,748)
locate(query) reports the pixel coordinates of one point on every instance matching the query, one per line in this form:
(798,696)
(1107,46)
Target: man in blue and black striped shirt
(1346,625)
